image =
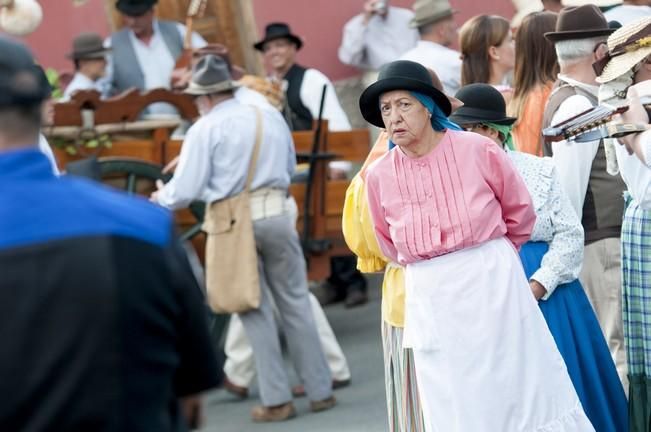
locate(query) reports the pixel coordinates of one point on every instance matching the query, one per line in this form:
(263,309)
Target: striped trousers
(403,404)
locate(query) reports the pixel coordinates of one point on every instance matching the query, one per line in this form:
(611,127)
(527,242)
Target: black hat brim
(577,34)
(468,115)
(369,101)
(135,10)
(293,38)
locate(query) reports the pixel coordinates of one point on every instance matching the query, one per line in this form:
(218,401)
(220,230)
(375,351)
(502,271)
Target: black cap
(20,81)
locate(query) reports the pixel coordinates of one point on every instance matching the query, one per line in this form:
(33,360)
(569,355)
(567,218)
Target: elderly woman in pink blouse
(451,208)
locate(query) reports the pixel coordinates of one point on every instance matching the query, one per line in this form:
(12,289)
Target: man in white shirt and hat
(434,20)
(89,56)
(213,166)
(378,35)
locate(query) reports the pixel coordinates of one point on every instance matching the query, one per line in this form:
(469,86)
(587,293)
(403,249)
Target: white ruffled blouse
(556,222)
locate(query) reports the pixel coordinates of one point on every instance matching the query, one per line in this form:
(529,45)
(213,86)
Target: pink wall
(61,23)
(318,22)
(320,25)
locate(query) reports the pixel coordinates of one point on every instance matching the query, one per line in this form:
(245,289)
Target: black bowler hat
(134,7)
(278,31)
(21,83)
(399,75)
(481,103)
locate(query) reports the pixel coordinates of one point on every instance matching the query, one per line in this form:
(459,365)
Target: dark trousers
(345,277)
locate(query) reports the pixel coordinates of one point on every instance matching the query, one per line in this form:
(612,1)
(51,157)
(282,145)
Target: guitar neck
(187,40)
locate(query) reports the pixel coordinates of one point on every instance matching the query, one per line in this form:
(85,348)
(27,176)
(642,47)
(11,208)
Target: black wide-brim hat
(275,31)
(481,103)
(399,75)
(580,22)
(134,7)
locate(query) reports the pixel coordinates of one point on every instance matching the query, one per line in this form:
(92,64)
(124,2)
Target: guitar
(196,9)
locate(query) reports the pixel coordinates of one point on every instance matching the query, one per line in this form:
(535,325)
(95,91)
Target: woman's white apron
(485,359)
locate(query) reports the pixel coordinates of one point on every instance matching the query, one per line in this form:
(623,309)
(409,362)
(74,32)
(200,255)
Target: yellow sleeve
(358,230)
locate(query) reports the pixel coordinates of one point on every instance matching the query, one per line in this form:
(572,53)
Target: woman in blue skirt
(552,261)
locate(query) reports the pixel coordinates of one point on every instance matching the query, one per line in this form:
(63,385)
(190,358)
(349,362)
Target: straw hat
(627,47)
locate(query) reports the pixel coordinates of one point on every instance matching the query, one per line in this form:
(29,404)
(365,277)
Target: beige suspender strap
(256,148)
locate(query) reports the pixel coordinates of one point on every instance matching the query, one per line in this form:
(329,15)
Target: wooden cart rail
(156,148)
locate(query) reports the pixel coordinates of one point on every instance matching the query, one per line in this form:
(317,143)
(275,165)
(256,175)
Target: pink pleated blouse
(463,193)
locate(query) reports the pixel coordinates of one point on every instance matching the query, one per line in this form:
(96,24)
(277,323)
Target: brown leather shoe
(234,389)
(263,414)
(323,405)
(299,390)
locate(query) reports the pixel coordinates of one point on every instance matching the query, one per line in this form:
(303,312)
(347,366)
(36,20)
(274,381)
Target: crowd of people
(516,267)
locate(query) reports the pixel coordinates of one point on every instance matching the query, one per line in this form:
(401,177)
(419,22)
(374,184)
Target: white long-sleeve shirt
(45,148)
(556,222)
(216,152)
(311,88)
(444,61)
(637,174)
(573,160)
(82,82)
(380,41)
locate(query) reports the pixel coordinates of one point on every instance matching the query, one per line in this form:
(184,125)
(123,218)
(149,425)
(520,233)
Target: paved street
(361,406)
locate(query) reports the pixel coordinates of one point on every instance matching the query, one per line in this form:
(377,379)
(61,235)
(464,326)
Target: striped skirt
(636,305)
(403,404)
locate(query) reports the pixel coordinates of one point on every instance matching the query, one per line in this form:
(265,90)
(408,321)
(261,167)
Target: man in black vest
(303,89)
(145,51)
(597,197)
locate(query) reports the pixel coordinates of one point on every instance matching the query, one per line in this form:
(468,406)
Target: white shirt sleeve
(45,148)
(197,41)
(352,49)
(311,89)
(573,161)
(192,173)
(562,262)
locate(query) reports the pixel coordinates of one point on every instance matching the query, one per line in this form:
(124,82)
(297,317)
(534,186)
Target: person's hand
(636,114)
(154,195)
(537,289)
(370,9)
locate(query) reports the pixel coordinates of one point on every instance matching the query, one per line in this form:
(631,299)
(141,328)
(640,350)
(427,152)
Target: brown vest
(603,207)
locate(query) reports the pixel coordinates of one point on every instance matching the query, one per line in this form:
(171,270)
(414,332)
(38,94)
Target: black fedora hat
(134,7)
(481,103)
(580,22)
(278,30)
(399,75)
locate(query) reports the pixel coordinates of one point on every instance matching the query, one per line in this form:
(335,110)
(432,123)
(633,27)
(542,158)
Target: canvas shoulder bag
(232,280)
